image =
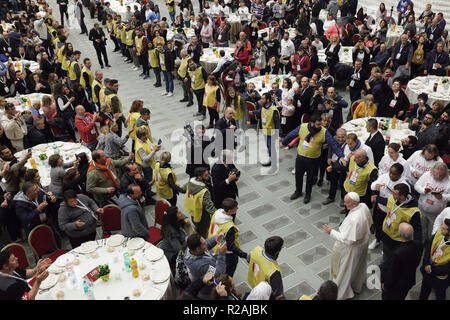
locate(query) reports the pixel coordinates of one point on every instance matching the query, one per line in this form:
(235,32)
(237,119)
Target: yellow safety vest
(91,77)
(149,132)
(171,8)
(418,56)
(138,42)
(72,74)
(52,33)
(238,113)
(183,67)
(440,252)
(132,117)
(129,37)
(163,190)
(65,63)
(215,229)
(101,98)
(110,96)
(147,148)
(123,35)
(196,76)
(59,53)
(267,120)
(153,58)
(162,60)
(358,178)
(305,297)
(312,149)
(209,97)
(109,26)
(395,216)
(193,204)
(260,268)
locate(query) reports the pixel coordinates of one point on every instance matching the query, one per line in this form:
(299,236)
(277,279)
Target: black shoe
(327,201)
(190,104)
(157,85)
(296,195)
(320,182)
(108,66)
(102,67)
(307,198)
(183,100)
(210,126)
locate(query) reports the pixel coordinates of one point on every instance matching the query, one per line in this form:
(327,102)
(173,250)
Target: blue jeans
(168,78)
(172,16)
(187,24)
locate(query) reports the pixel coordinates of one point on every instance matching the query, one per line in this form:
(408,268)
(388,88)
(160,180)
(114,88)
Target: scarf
(107,173)
(312,131)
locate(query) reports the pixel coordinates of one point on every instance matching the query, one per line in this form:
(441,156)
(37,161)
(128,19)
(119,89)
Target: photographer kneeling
(224,175)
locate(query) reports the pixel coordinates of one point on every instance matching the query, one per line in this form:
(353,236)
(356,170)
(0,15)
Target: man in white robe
(349,256)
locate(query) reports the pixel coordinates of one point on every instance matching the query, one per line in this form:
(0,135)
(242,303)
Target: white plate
(159,275)
(49,282)
(153,253)
(152,294)
(135,243)
(59,144)
(64,260)
(88,247)
(69,146)
(54,269)
(115,240)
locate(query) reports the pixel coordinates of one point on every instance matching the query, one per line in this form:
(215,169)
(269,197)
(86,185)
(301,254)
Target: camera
(236,172)
(188,132)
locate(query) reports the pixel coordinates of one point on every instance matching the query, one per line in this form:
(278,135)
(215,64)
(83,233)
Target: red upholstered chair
(448,72)
(356,38)
(371,66)
(262,25)
(42,241)
(155,232)
(251,107)
(19,251)
(111,220)
(354,105)
(273,23)
(318,71)
(305,118)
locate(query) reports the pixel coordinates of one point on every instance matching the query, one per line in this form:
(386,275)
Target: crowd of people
(407,187)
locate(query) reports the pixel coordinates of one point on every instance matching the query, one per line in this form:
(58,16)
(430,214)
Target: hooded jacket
(134,223)
(26,210)
(195,187)
(222,218)
(67,216)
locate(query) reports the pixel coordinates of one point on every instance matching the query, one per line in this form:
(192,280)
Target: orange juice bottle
(394,120)
(267,77)
(134,268)
(33,163)
(217,53)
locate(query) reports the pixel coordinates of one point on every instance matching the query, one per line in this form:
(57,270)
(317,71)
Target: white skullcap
(354,196)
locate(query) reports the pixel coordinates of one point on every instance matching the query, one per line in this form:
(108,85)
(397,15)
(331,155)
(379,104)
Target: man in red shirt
(85,123)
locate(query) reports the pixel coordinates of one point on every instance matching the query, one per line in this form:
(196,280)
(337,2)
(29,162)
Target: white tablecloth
(345,56)
(393,36)
(188,31)
(258,82)
(24,101)
(67,150)
(418,85)
(122,9)
(358,126)
(270,29)
(121,284)
(209,59)
(19,65)
(234,18)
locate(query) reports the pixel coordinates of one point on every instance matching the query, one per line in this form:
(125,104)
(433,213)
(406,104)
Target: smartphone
(159,141)
(216,282)
(434,193)
(222,241)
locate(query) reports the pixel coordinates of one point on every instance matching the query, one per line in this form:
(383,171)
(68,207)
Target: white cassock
(349,256)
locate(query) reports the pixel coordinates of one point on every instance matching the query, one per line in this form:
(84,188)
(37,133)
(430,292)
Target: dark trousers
(173,200)
(355,94)
(83,26)
(323,163)
(92,9)
(378,218)
(116,44)
(101,50)
(310,166)
(231,262)
(398,294)
(387,256)
(11,221)
(213,115)
(271,146)
(76,242)
(202,226)
(157,72)
(148,173)
(199,95)
(430,282)
(143,60)
(336,179)
(62,12)
(187,94)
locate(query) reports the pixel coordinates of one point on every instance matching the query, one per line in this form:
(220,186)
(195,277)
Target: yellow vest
(440,252)
(209,97)
(238,113)
(183,67)
(72,74)
(138,42)
(362,177)
(132,117)
(395,217)
(267,120)
(418,56)
(163,190)
(305,297)
(147,148)
(123,35)
(59,54)
(153,58)
(149,133)
(314,148)
(260,268)
(52,33)
(215,229)
(196,76)
(129,37)
(91,77)
(193,204)
(162,60)
(101,99)
(110,96)
(65,63)
(109,26)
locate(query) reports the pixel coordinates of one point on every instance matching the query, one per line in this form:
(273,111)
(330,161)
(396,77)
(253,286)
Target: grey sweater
(67,216)
(56,176)
(113,144)
(134,223)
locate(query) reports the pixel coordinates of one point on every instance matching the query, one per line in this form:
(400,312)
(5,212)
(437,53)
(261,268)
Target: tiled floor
(264,206)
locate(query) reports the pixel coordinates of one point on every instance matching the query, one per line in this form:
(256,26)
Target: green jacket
(96,183)
(12,176)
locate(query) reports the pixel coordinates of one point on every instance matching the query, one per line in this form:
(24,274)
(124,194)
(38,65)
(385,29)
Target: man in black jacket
(63,10)
(401,271)
(375,140)
(437,61)
(97,36)
(225,131)
(224,176)
(197,150)
(133,176)
(302,100)
(356,83)
(37,133)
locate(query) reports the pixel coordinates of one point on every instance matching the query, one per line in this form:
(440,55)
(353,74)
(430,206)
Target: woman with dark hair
(420,49)
(46,66)
(224,289)
(65,108)
(57,173)
(173,234)
(133,115)
(381,31)
(313,60)
(83,166)
(72,180)
(381,12)
(81,97)
(37,85)
(211,100)
(65,61)
(273,66)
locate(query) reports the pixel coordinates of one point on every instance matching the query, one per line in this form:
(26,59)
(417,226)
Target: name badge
(393,103)
(219,37)
(353,178)
(418,57)
(398,56)
(299,104)
(352,83)
(431,36)
(305,144)
(93,131)
(298,67)
(193,78)
(434,66)
(283,120)
(253,33)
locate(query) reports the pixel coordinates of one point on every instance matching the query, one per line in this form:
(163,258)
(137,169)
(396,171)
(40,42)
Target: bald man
(349,256)
(401,269)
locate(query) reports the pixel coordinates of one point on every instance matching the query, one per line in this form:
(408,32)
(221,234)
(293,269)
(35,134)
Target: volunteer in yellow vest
(113,99)
(263,266)
(141,47)
(401,207)
(154,64)
(133,115)
(361,173)
(144,122)
(59,52)
(166,180)
(171,8)
(436,262)
(129,40)
(66,53)
(87,78)
(145,153)
(75,68)
(311,138)
(198,77)
(211,100)
(198,201)
(98,91)
(110,27)
(222,221)
(182,72)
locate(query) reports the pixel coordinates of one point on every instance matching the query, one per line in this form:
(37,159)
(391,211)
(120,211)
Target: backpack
(182,279)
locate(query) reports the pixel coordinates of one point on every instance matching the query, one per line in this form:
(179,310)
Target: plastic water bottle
(55,149)
(126,258)
(71,276)
(87,291)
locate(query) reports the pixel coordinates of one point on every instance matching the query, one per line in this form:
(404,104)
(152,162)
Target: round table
(419,85)
(345,56)
(270,29)
(188,31)
(68,150)
(272,78)
(121,283)
(393,36)
(19,65)
(24,101)
(209,59)
(122,9)
(358,127)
